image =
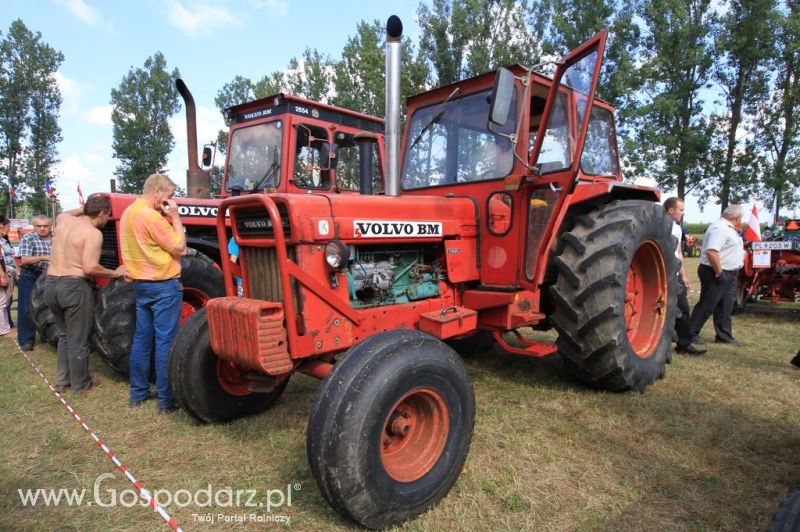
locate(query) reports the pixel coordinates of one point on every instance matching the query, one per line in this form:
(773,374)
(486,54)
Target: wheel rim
(646,299)
(193,300)
(414,435)
(232,378)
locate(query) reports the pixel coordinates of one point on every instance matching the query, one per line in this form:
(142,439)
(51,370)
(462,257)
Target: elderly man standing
(721,258)
(34,252)
(152,242)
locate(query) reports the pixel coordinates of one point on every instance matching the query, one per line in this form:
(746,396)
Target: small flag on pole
(50,191)
(12,195)
(753,230)
(80,195)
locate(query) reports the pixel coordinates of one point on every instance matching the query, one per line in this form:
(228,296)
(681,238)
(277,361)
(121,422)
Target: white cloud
(92,171)
(276,6)
(86,14)
(100,115)
(198,17)
(71,93)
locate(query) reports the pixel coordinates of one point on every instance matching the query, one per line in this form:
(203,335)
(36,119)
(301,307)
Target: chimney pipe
(394,37)
(197,180)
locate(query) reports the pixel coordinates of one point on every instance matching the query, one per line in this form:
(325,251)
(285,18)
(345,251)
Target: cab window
(600,155)
(348,163)
(311,164)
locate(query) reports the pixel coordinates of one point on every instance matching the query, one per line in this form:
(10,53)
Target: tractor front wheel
(615,295)
(207,387)
(391,427)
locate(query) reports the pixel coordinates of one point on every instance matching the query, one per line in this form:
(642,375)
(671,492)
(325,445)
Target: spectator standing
(34,252)
(683,326)
(68,292)
(721,257)
(152,241)
(11,267)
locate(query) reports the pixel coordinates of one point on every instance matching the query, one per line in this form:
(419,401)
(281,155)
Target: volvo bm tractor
(503,208)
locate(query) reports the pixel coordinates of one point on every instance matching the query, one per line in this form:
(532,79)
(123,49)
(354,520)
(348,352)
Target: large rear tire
(115,312)
(42,316)
(207,387)
(391,427)
(616,294)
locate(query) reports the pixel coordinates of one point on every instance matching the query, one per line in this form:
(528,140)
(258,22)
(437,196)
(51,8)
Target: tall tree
(672,134)
(29,104)
(779,116)
(744,46)
(574,21)
(143,104)
(463,38)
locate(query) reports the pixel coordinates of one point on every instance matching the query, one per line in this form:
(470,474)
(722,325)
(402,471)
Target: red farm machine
(771,269)
(503,208)
(279,144)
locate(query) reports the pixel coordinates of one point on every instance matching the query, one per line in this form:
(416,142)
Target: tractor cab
(526,148)
(284,143)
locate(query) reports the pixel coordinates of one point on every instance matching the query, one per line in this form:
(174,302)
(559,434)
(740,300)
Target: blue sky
(209,42)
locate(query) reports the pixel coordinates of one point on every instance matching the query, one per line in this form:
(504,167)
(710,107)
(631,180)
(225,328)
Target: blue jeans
(26,328)
(158,312)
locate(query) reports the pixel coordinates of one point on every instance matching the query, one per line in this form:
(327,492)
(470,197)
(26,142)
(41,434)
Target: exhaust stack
(197,180)
(394,37)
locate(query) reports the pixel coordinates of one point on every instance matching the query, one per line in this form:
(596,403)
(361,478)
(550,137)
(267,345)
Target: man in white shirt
(683,325)
(720,260)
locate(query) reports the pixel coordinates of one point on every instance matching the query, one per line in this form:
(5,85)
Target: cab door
(557,150)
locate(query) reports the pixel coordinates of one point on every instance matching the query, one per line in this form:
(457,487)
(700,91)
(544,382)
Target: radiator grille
(108,252)
(263,274)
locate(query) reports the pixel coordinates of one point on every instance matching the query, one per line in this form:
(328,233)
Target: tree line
(706,92)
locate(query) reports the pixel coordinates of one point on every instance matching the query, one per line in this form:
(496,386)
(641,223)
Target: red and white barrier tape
(138,485)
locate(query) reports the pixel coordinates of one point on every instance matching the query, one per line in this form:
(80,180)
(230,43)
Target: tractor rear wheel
(115,312)
(615,295)
(42,316)
(205,386)
(390,428)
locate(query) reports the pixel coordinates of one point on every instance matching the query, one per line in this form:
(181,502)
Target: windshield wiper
(270,174)
(435,119)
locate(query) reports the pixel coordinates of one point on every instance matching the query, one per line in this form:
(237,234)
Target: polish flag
(80,195)
(753,230)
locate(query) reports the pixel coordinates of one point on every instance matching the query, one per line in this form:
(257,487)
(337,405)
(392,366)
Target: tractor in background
(282,143)
(503,209)
(771,269)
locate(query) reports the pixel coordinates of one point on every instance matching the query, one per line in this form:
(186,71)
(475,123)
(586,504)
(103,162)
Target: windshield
(255,157)
(450,143)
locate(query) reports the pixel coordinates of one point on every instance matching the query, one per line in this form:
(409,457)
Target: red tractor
(506,210)
(279,144)
(771,269)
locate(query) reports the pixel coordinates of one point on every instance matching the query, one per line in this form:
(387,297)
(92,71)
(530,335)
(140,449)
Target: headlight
(336,254)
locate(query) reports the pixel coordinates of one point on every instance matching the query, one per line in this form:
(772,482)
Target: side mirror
(208,156)
(502,95)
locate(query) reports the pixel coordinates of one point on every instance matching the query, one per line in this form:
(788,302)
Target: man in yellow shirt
(152,242)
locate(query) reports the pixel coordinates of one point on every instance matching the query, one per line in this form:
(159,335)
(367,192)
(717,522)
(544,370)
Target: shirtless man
(74,257)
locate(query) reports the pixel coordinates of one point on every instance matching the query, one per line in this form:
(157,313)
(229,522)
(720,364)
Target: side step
(531,349)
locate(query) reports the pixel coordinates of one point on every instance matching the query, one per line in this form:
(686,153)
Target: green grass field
(712,446)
